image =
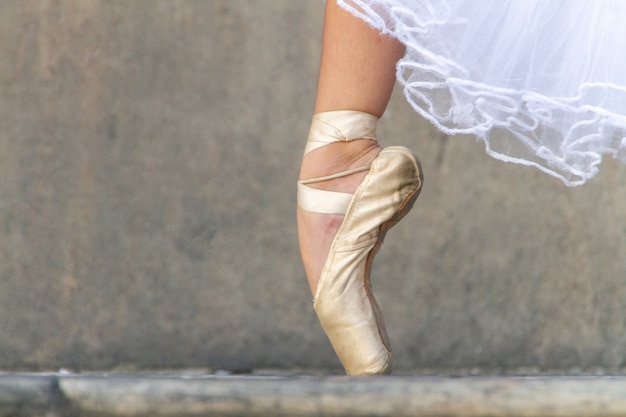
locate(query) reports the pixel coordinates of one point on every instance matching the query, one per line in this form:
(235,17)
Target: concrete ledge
(416,396)
(22,395)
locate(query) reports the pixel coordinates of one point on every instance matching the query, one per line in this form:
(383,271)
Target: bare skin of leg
(357,72)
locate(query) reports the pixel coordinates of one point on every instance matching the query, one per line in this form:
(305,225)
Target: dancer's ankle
(338,157)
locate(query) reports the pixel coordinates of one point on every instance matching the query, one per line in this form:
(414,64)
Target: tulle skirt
(540,82)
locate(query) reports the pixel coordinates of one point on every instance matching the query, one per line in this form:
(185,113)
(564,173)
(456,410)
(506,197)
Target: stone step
(294,396)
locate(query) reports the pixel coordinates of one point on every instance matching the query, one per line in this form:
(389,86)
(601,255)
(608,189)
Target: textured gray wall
(148,156)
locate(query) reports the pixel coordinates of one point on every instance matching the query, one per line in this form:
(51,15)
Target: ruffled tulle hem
(540,83)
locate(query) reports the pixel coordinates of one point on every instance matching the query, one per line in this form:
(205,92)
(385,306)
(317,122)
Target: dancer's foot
(350,194)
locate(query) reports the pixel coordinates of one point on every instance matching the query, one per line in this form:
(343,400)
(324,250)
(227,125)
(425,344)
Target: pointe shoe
(344,302)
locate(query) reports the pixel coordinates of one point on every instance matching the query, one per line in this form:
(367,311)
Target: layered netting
(540,82)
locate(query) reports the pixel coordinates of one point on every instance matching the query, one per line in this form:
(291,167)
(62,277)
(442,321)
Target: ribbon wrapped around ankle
(340,126)
(327,128)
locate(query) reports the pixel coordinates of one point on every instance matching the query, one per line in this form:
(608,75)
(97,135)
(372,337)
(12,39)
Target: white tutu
(541,82)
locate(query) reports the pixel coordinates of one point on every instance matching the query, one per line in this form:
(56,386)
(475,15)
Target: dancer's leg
(357,72)
(356,79)
(358,65)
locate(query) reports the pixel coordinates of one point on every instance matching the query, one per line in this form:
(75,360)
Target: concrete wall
(148,156)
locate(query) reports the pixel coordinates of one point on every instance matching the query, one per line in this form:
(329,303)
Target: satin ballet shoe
(344,302)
